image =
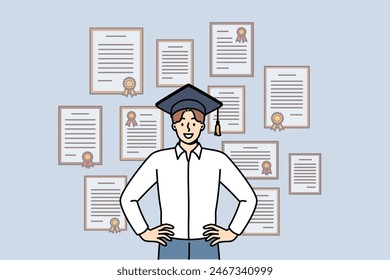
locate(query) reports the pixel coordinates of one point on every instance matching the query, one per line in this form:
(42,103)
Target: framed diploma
(80,135)
(232,113)
(141,132)
(286,97)
(102,210)
(116,61)
(175,63)
(266,218)
(305,173)
(231,49)
(255,159)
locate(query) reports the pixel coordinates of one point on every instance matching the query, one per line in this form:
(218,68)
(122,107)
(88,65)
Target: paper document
(141,132)
(305,173)
(116,61)
(231,47)
(175,62)
(102,209)
(286,97)
(232,113)
(255,159)
(80,135)
(266,218)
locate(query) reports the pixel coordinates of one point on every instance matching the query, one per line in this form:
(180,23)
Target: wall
(44,64)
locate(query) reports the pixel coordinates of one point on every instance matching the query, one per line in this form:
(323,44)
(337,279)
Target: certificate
(102,210)
(231,49)
(255,159)
(141,132)
(305,174)
(175,62)
(232,113)
(80,135)
(116,61)
(286,97)
(266,218)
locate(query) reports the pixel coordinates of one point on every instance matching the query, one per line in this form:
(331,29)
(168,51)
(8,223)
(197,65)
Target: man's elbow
(252,200)
(127,197)
(124,199)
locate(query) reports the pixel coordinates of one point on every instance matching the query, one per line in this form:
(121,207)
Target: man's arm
(144,178)
(232,178)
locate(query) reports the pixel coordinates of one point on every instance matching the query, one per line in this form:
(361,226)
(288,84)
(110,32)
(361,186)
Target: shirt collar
(179,151)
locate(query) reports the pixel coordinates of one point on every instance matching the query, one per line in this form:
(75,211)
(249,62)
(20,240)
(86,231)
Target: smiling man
(188,178)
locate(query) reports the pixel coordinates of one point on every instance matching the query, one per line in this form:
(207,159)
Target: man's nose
(188,126)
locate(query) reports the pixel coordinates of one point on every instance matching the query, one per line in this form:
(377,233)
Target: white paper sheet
(231,53)
(116,53)
(305,173)
(141,135)
(250,156)
(102,195)
(175,62)
(287,92)
(265,219)
(232,113)
(80,130)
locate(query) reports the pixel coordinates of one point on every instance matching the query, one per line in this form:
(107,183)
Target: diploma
(305,173)
(80,135)
(116,61)
(231,49)
(232,113)
(175,62)
(266,218)
(255,159)
(141,132)
(286,97)
(102,210)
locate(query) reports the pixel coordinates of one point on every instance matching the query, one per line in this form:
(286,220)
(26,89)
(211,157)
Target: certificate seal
(87,158)
(129,85)
(131,119)
(241,35)
(266,165)
(114,223)
(277,120)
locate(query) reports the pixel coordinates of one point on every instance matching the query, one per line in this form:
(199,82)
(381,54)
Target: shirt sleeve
(143,179)
(232,178)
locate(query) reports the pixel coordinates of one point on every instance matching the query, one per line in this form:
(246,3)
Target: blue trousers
(188,250)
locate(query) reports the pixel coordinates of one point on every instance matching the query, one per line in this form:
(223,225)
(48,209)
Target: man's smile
(188,135)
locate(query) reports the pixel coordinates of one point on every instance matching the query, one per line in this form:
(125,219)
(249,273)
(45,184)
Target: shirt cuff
(235,230)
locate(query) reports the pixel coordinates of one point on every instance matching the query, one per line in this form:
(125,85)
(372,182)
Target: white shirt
(188,190)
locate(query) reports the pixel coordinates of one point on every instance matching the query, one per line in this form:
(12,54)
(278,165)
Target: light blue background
(44,63)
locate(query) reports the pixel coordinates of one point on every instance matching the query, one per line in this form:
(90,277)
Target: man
(188,177)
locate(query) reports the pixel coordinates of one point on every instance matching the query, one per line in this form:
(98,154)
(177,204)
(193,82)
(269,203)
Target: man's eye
(182,124)
(193,124)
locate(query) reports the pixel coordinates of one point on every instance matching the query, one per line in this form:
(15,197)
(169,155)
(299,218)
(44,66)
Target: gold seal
(241,35)
(131,119)
(87,159)
(114,223)
(266,165)
(277,120)
(129,85)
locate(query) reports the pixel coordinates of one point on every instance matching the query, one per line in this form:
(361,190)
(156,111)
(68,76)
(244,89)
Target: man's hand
(219,234)
(158,233)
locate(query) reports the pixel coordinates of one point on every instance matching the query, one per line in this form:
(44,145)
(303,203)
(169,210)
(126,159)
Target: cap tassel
(217,130)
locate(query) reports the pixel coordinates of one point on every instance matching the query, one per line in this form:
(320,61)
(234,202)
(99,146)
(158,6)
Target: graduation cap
(191,97)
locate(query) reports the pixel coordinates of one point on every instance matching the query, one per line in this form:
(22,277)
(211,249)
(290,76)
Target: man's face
(188,129)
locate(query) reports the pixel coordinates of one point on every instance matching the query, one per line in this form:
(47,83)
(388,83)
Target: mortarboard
(191,97)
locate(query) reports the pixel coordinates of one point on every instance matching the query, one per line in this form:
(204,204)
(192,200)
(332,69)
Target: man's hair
(199,116)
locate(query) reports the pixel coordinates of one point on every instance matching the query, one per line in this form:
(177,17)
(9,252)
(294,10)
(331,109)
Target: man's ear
(202,127)
(174,126)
